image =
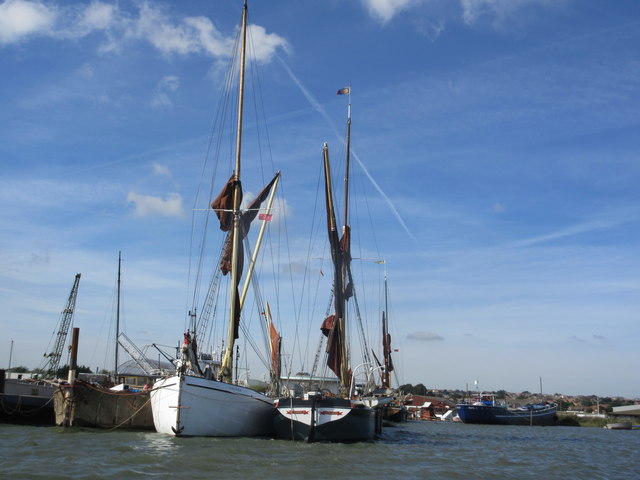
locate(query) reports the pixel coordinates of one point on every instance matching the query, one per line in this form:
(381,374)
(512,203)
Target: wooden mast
(227,361)
(386,380)
(346,258)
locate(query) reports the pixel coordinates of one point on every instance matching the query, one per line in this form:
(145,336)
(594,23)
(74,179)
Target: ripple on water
(411,450)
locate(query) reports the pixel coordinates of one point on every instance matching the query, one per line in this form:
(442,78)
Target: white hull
(194,406)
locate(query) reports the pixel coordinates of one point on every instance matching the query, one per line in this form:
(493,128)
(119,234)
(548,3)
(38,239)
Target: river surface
(429,450)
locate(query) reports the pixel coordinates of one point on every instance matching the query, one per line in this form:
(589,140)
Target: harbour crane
(53,357)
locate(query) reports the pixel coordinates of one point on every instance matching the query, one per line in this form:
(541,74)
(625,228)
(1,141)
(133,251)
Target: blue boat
(486,411)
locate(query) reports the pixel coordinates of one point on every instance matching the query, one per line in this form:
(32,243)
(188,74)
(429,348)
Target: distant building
(429,408)
(626,411)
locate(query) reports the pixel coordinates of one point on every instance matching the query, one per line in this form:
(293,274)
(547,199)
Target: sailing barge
(316,416)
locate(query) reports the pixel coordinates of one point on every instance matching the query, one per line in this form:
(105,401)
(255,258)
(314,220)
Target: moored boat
(204,397)
(348,416)
(93,401)
(486,411)
(86,404)
(320,418)
(619,426)
(188,405)
(26,402)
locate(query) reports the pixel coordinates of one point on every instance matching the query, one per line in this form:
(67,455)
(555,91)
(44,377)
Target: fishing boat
(94,401)
(485,410)
(318,416)
(204,397)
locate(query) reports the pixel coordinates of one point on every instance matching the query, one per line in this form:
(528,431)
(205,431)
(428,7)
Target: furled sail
(333,326)
(223,206)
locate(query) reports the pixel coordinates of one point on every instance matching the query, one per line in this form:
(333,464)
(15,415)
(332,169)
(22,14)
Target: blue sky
(499,137)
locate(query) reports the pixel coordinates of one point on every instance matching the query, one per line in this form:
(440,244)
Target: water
(434,450)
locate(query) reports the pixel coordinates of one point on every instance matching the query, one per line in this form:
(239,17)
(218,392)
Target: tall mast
(227,361)
(386,381)
(345,267)
(115,370)
(347,162)
(338,278)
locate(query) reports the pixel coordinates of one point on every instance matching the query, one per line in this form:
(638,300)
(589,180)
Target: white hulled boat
(207,401)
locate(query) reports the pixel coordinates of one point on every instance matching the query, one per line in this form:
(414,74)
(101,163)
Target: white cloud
(98,16)
(20,19)
(147,205)
(209,39)
(156,27)
(385,10)
(265,44)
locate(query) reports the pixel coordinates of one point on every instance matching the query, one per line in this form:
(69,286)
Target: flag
(344,91)
(265,217)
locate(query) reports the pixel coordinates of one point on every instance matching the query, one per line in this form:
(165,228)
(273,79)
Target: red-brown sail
(223,205)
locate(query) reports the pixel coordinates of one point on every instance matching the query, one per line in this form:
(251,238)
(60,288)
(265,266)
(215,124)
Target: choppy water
(413,450)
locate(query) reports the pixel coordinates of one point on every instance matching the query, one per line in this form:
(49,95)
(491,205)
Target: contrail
(315,104)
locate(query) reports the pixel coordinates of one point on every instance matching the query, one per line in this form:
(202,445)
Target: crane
(136,354)
(53,358)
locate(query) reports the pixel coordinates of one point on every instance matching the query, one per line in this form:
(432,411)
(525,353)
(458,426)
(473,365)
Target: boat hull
(500,415)
(184,405)
(325,419)
(395,413)
(26,403)
(86,405)
(619,426)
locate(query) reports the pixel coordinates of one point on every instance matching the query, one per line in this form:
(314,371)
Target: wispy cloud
(320,109)
(161,170)
(601,222)
(167,86)
(500,14)
(425,337)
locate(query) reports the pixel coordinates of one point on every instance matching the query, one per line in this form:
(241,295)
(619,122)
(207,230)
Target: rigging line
(313,235)
(281,198)
(245,327)
(363,337)
(259,300)
(320,109)
(217,126)
(255,82)
(258,97)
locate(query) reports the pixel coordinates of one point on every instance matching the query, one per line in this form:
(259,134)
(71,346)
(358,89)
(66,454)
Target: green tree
(19,369)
